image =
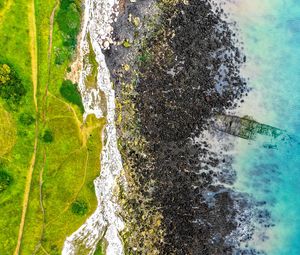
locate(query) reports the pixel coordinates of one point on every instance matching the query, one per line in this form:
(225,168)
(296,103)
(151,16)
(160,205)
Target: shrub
(79,207)
(61,55)
(48,136)
(100,249)
(68,19)
(26,119)
(5,180)
(11,87)
(69,91)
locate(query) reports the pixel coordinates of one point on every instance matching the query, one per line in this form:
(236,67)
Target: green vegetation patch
(7,132)
(71,164)
(68,20)
(5,180)
(64,168)
(16,139)
(3,3)
(12,89)
(26,119)
(91,79)
(79,207)
(69,91)
(100,249)
(48,136)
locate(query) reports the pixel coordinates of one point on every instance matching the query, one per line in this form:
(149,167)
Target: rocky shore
(175,66)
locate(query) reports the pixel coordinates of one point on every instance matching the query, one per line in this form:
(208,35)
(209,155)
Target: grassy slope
(15,36)
(64,169)
(7,129)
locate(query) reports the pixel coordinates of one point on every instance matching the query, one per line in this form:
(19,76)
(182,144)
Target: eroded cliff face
(176,66)
(104,225)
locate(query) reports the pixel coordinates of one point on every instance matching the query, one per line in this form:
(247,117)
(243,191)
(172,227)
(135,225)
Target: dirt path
(51,34)
(50,43)
(44,113)
(34,70)
(33,51)
(26,195)
(39,245)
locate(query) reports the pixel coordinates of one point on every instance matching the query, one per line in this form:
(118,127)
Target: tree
(70,92)
(26,119)
(68,20)
(79,207)
(48,136)
(12,89)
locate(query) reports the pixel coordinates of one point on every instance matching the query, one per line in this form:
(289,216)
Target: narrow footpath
(34,69)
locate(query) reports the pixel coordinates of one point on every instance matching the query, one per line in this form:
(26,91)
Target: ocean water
(270,31)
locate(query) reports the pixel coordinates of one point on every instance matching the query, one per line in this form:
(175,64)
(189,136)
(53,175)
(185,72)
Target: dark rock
(176,98)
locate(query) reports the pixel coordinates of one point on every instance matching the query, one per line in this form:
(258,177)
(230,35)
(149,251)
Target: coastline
(180,180)
(104,224)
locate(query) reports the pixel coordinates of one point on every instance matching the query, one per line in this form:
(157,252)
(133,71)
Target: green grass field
(67,158)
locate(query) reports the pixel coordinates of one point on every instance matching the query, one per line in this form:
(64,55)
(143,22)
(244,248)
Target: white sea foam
(104,222)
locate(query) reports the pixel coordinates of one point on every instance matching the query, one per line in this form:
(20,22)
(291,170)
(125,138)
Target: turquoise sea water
(270,30)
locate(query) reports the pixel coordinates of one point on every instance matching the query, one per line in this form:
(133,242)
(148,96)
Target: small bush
(48,136)
(5,180)
(79,207)
(61,55)
(69,91)
(26,119)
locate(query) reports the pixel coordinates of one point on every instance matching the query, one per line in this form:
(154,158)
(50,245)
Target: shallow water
(270,31)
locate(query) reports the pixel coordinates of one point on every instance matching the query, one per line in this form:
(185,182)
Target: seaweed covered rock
(178,87)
